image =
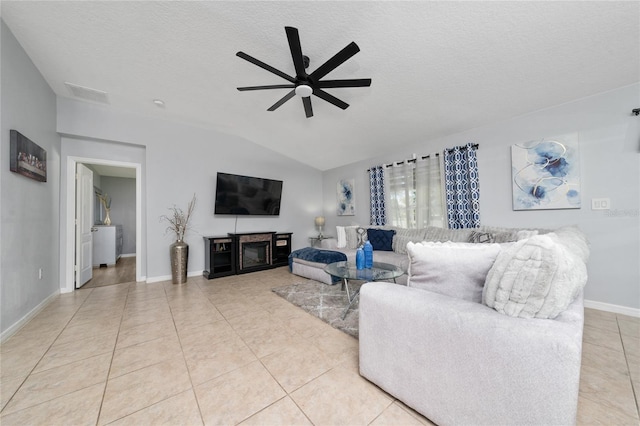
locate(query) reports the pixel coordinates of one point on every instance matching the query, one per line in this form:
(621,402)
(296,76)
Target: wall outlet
(39,273)
(600,204)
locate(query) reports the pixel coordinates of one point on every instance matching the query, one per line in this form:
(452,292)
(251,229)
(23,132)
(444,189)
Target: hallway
(124,271)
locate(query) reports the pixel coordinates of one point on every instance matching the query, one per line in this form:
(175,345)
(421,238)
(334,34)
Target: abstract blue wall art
(546,173)
(346,200)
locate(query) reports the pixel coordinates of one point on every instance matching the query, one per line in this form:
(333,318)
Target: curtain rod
(410,160)
(424,157)
(473,145)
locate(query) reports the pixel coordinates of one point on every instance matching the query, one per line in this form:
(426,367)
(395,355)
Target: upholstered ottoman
(310,262)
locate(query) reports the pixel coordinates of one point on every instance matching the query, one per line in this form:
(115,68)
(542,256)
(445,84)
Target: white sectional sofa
(489,336)
(398,253)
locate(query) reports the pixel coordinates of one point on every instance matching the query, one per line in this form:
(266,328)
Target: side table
(317,241)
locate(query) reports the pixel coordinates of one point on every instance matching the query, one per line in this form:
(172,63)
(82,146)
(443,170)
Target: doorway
(111,169)
(113,225)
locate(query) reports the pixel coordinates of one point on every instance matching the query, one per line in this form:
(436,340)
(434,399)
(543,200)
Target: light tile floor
(122,272)
(229,351)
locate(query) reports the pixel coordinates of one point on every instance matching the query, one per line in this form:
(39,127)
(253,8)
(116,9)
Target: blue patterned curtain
(462,187)
(376,182)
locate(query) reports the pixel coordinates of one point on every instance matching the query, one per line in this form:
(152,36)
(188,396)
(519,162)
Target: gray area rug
(326,302)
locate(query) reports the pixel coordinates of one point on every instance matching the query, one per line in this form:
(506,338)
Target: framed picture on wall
(546,173)
(346,200)
(27,158)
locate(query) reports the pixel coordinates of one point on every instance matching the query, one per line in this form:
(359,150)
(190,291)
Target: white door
(84,225)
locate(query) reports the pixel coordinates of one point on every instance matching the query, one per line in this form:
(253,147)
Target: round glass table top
(380,271)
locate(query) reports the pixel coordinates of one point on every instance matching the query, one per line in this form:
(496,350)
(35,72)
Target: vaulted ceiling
(438,68)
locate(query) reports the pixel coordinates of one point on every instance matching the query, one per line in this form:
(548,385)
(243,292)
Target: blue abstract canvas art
(346,201)
(546,173)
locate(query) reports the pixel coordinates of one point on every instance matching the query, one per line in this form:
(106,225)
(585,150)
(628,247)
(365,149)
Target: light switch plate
(600,204)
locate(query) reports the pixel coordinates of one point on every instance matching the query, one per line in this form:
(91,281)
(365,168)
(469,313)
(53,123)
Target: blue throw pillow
(381,239)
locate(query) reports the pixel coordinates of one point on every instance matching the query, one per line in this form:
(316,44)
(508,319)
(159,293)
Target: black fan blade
(307,106)
(273,86)
(330,98)
(359,82)
(286,97)
(296,51)
(265,66)
(335,61)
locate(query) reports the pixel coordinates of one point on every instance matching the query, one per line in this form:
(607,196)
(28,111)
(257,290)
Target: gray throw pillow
(481,237)
(352,236)
(454,269)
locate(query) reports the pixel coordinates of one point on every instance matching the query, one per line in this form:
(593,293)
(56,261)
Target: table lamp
(319,220)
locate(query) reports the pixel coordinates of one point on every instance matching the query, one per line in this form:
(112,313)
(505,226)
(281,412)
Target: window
(414,194)
(410,194)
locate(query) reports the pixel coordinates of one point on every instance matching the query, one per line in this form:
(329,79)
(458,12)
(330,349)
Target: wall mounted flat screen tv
(246,195)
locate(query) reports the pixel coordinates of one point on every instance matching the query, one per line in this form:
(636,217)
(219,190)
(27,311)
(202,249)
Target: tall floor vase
(179,260)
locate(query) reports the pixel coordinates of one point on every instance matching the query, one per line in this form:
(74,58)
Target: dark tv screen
(246,195)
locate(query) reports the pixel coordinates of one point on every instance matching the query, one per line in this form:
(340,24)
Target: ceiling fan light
(304,91)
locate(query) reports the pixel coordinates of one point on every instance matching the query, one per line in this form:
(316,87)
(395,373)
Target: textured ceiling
(437,67)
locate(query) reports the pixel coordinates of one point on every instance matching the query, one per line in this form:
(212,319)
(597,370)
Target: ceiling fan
(303,84)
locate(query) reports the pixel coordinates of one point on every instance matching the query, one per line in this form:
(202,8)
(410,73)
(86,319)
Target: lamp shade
(319,220)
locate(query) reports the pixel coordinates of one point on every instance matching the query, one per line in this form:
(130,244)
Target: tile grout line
(184,359)
(626,359)
(113,352)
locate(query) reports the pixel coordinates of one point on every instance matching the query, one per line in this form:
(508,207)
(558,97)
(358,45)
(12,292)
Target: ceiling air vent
(87,93)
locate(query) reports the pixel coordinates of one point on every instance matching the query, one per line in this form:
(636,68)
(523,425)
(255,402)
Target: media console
(242,253)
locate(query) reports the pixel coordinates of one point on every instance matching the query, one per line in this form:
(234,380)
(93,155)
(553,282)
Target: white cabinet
(107,244)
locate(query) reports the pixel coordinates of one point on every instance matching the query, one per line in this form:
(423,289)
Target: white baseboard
(25,319)
(159,278)
(616,309)
(128,255)
(168,277)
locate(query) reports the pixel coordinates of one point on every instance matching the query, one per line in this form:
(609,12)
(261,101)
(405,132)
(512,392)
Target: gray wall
(29,209)
(610,167)
(123,208)
(182,160)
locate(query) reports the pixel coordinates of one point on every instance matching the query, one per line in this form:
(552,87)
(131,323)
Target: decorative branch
(179,220)
(105,200)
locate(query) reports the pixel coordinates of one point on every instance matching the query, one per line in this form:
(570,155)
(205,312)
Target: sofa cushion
(381,239)
(403,236)
(453,269)
(540,276)
(434,233)
(315,255)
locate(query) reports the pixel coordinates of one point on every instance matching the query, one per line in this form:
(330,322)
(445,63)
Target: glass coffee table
(347,271)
